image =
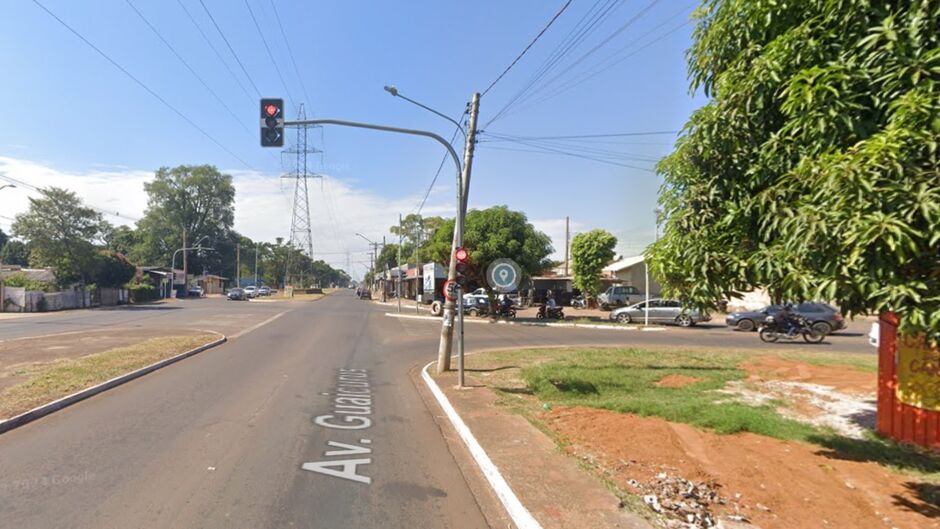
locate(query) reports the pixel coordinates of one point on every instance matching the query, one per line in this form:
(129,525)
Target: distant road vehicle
(660,311)
(251,291)
(365,294)
(619,295)
(237,294)
(196,291)
(264,290)
(822,317)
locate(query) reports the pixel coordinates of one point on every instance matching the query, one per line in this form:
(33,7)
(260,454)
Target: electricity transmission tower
(301,236)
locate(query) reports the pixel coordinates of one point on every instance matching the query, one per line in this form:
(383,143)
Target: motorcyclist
(788,319)
(550,300)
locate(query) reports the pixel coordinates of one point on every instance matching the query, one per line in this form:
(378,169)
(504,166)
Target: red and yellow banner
(918,373)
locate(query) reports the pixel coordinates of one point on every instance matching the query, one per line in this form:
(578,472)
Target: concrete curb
(68,400)
(521,516)
(534,324)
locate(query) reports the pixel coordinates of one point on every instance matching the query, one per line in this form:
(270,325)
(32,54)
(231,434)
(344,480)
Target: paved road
(221,439)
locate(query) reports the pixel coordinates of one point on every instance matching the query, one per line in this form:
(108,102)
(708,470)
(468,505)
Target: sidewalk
(549,484)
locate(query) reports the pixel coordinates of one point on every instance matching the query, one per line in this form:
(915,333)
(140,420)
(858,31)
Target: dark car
(237,294)
(822,316)
(365,294)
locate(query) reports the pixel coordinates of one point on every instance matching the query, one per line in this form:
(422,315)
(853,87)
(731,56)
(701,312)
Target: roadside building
(211,284)
(631,272)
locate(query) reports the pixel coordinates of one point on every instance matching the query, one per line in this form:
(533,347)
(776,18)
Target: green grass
(50,381)
(624,380)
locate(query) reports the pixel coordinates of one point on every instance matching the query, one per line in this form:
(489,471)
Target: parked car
(237,294)
(822,316)
(196,291)
(476,306)
(365,294)
(264,290)
(251,291)
(619,295)
(660,311)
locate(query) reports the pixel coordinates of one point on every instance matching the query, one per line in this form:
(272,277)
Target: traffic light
(462,256)
(272,122)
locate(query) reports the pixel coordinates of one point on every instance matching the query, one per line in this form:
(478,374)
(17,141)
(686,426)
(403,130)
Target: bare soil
(852,381)
(774,484)
(676,381)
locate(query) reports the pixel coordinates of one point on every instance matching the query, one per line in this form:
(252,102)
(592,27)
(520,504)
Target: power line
(270,55)
(188,67)
(230,49)
(290,52)
(584,27)
(215,50)
(142,85)
(608,135)
(526,49)
(436,175)
(31,187)
(544,150)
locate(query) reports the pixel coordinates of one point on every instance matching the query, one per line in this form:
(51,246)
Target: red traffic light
(271,109)
(462,255)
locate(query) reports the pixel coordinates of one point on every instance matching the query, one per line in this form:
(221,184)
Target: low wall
(18,299)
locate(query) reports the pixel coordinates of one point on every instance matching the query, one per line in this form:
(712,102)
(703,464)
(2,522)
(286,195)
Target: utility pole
(463,186)
(567,241)
(398,287)
(185,274)
(389,275)
(256,264)
(238,264)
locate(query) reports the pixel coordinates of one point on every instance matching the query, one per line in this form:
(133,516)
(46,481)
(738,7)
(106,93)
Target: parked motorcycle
(774,329)
(578,302)
(546,313)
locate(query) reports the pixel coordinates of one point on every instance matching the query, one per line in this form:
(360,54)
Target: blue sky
(73,119)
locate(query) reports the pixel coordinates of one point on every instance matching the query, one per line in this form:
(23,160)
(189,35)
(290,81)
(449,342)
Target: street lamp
(4,186)
(375,246)
(394,91)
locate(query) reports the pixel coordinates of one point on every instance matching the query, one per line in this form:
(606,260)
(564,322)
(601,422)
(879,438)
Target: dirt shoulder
(744,443)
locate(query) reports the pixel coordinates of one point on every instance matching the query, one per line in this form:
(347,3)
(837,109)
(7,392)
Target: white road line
(519,514)
(257,325)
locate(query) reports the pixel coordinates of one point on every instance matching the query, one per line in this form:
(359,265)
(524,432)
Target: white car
(251,291)
(477,294)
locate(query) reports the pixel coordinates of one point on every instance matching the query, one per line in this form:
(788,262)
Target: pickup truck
(618,296)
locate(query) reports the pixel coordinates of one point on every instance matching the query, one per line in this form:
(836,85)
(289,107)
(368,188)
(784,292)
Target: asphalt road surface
(309,420)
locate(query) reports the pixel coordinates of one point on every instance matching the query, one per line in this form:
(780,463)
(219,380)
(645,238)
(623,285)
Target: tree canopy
(494,233)
(590,253)
(62,233)
(813,170)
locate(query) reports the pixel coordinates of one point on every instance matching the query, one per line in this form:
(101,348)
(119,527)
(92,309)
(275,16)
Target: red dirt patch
(844,379)
(676,381)
(776,484)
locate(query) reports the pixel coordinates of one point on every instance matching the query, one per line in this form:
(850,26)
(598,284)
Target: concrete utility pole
(256,264)
(398,288)
(447,327)
(185,268)
(238,264)
(567,241)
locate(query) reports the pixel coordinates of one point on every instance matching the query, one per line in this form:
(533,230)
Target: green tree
(416,232)
(113,269)
(813,170)
(590,253)
(494,233)
(3,239)
(62,233)
(15,253)
(195,198)
(121,239)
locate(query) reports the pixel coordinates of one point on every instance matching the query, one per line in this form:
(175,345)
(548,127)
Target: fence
(18,299)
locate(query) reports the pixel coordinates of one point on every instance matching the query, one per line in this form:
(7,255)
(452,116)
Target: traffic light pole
(463,187)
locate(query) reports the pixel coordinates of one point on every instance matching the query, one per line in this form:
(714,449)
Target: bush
(19,279)
(114,270)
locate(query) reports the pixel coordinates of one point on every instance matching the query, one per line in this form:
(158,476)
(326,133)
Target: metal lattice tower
(301,235)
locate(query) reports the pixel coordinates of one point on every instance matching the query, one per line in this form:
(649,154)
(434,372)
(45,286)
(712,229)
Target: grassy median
(679,386)
(50,381)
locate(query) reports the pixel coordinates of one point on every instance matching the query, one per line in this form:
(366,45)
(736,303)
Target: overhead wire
(188,67)
(270,54)
(31,187)
(142,84)
(215,50)
(230,48)
(543,150)
(440,167)
(290,52)
(526,49)
(623,27)
(582,29)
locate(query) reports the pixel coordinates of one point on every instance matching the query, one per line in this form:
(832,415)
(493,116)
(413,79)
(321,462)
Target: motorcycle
(505,311)
(546,313)
(774,329)
(578,302)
